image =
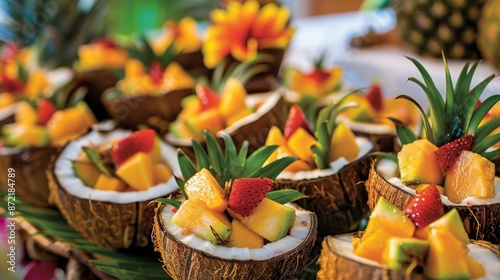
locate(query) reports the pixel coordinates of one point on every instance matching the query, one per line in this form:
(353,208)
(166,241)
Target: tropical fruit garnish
(229,207)
(135,161)
(330,159)
(393,245)
(107,201)
(456,151)
(102,53)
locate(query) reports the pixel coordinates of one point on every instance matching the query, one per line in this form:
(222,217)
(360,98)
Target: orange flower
(185,33)
(243,29)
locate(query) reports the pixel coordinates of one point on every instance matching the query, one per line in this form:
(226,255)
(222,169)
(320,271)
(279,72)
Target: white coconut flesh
(63,170)
(491,263)
(270,100)
(294,97)
(7,111)
(388,170)
(365,145)
(298,234)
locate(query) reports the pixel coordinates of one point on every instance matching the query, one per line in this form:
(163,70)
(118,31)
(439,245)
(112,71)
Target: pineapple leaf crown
(142,50)
(242,71)
(325,126)
(229,164)
(456,115)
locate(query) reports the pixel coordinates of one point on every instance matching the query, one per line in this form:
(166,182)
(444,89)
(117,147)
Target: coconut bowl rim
(309,239)
(107,95)
(151,193)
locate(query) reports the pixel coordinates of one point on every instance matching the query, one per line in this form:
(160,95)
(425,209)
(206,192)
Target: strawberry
(11,85)
(139,141)
(156,72)
(105,42)
(296,118)
(318,75)
(45,110)
(208,97)
(247,193)
(447,154)
(424,207)
(374,97)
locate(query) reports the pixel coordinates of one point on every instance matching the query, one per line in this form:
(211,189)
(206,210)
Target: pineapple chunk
(418,164)
(137,171)
(471,175)
(204,186)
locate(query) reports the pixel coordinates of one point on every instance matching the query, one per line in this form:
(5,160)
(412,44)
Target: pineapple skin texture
(471,175)
(488,39)
(418,164)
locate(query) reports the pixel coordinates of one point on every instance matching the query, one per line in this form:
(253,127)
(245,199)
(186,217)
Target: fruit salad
(102,53)
(421,238)
(133,163)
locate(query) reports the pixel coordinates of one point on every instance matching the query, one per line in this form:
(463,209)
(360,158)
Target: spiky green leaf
(216,157)
(486,129)
(285,196)
(478,115)
(201,156)
(173,202)
(95,158)
(492,155)
(486,143)
(273,169)
(389,156)
(471,100)
(405,134)
(235,163)
(257,159)
(427,126)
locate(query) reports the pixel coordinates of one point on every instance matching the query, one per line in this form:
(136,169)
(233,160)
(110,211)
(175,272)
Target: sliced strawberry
(139,141)
(447,154)
(374,97)
(318,75)
(424,207)
(296,118)
(45,110)
(156,72)
(208,97)
(247,193)
(11,85)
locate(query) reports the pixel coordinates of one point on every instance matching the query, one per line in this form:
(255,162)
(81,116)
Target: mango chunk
(106,183)
(343,144)
(232,98)
(243,237)
(446,258)
(137,171)
(300,143)
(86,172)
(161,173)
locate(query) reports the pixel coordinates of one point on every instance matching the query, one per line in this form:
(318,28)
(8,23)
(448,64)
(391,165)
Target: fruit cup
(103,183)
(458,156)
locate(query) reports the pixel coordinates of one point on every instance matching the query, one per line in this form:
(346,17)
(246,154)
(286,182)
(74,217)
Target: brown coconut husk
(96,82)
(335,265)
(30,179)
(183,262)
(153,110)
(482,222)
(255,132)
(7,120)
(105,224)
(339,200)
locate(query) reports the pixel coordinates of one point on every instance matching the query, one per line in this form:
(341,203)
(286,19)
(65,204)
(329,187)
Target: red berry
(296,118)
(247,193)
(374,97)
(424,207)
(139,141)
(45,110)
(208,97)
(448,154)
(156,72)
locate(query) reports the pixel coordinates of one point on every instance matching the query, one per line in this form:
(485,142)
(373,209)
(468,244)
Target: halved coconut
(481,217)
(337,195)
(252,128)
(30,180)
(106,218)
(7,114)
(190,257)
(154,110)
(338,261)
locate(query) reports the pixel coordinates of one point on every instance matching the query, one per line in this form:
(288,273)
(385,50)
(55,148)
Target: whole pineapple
(427,26)
(488,39)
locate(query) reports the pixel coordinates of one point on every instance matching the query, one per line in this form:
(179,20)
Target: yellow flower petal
(281,41)
(243,53)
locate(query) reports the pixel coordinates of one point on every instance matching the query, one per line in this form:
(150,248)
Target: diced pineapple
(418,164)
(204,186)
(471,175)
(137,171)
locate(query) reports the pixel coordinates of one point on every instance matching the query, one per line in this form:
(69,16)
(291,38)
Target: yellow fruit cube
(233,98)
(204,186)
(106,183)
(300,143)
(161,173)
(137,171)
(418,164)
(275,137)
(25,113)
(343,144)
(243,237)
(231,119)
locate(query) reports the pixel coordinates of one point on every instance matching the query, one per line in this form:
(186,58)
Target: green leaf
(471,100)
(389,156)
(95,158)
(492,155)
(486,129)
(449,86)
(427,126)
(324,115)
(234,164)
(405,134)
(486,143)
(285,196)
(257,159)
(478,115)
(216,157)
(273,169)
(172,202)
(187,170)
(201,155)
